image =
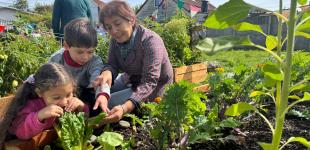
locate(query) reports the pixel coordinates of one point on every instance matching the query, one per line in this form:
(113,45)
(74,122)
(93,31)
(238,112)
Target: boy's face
(80,55)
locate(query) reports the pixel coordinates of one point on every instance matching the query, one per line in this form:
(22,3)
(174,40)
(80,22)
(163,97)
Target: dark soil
(253,130)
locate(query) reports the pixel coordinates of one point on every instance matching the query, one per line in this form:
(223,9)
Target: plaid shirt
(147,58)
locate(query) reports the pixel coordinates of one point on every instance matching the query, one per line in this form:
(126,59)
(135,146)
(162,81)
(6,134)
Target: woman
(137,52)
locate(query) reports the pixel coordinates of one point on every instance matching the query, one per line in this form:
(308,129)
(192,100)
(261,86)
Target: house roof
(187,4)
(14,9)
(196,3)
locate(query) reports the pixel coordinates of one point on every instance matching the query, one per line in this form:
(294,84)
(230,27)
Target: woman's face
(119,28)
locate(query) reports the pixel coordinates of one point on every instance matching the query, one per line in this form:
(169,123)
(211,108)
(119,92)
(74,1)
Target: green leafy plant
(231,15)
(176,113)
(177,39)
(73,132)
(109,140)
(22,56)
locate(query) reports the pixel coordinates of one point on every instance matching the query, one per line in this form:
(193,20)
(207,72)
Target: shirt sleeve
(94,71)
(153,57)
(89,14)
(26,124)
(56,17)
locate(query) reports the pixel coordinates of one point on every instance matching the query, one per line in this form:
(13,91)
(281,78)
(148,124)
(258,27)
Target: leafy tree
(21,4)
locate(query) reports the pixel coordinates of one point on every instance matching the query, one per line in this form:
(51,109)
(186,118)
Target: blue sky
(267,4)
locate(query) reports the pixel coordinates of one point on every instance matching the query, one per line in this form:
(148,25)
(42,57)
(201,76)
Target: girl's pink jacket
(26,124)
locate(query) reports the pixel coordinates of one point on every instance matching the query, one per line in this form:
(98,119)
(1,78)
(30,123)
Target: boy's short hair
(80,33)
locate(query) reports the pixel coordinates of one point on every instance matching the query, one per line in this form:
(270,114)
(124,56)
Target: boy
(78,58)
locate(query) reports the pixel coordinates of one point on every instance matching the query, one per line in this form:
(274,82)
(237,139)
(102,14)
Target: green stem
(267,121)
(287,76)
(279,48)
(269,51)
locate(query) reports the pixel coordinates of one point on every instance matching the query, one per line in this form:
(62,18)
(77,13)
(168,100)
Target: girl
(43,97)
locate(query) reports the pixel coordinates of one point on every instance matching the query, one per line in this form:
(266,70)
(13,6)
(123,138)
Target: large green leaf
(302,2)
(306,97)
(245,26)
(265,146)
(304,86)
(271,42)
(273,72)
(239,108)
(109,140)
(222,43)
(301,140)
(305,27)
(228,14)
(303,34)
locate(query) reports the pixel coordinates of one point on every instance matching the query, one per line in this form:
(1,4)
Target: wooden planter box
(195,73)
(34,143)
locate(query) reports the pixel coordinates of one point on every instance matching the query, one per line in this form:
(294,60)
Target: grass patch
(230,58)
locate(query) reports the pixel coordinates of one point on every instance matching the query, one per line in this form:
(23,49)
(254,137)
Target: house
(162,10)
(8,13)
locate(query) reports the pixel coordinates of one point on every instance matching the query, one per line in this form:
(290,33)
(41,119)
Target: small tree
(21,4)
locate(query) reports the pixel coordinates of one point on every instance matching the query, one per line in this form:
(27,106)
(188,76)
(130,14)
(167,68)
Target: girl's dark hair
(117,8)
(80,33)
(48,76)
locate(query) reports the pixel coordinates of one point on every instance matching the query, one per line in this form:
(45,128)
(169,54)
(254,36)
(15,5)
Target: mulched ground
(254,129)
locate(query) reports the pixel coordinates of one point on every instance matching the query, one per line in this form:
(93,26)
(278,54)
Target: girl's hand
(50,111)
(73,104)
(104,77)
(102,101)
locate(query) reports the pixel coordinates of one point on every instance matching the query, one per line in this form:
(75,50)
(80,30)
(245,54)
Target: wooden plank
(35,143)
(202,88)
(4,103)
(191,68)
(194,77)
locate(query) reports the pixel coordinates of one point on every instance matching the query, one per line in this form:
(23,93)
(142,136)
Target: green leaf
(299,87)
(109,140)
(230,122)
(273,72)
(222,43)
(271,42)
(265,146)
(303,34)
(239,108)
(306,97)
(294,97)
(305,27)
(257,93)
(269,82)
(302,2)
(228,14)
(301,140)
(245,26)
(96,120)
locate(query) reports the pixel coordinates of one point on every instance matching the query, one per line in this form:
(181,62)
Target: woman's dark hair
(117,8)
(80,33)
(48,76)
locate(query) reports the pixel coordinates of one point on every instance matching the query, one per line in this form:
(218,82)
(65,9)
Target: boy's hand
(104,77)
(50,111)
(102,102)
(73,104)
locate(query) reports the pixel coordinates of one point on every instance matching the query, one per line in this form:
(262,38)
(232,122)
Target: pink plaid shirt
(147,58)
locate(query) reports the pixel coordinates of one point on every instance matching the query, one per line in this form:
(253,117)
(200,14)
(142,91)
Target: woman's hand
(73,104)
(104,77)
(50,111)
(116,114)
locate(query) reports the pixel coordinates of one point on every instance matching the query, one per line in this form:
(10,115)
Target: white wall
(7,14)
